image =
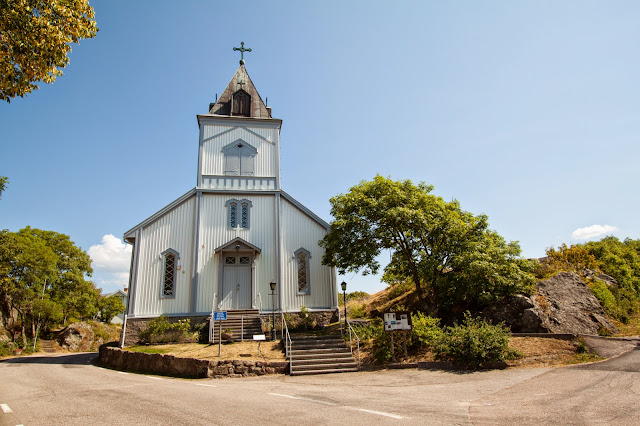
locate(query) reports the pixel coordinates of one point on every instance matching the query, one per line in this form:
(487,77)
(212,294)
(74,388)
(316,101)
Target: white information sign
(397,321)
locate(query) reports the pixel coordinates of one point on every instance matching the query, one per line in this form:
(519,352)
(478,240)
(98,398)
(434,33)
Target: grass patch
(631,328)
(269,351)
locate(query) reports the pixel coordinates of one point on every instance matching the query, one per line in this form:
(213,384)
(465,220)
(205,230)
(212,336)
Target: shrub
(425,330)
(472,343)
(357,310)
(160,330)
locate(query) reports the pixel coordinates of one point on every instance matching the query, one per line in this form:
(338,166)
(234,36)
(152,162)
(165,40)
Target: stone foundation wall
(169,365)
(137,325)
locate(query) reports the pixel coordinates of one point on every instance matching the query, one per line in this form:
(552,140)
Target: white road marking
(154,378)
(5,408)
(122,372)
(364,410)
(209,386)
(304,399)
(380,413)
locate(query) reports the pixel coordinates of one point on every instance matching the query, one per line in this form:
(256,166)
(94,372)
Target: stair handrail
(351,330)
(211,322)
(287,342)
(259,297)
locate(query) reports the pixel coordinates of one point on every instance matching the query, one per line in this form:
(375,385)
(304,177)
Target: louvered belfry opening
(241,104)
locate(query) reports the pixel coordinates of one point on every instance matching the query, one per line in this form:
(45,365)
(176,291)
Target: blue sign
(220,316)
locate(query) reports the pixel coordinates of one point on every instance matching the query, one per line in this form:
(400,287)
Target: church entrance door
(236,281)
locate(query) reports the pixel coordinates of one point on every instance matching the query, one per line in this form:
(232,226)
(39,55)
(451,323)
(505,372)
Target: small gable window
(241,104)
(239,159)
(239,213)
(302,257)
(169,272)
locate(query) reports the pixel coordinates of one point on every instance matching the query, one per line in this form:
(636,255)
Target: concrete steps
(242,323)
(311,354)
(47,346)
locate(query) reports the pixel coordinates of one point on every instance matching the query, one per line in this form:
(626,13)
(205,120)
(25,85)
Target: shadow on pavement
(68,359)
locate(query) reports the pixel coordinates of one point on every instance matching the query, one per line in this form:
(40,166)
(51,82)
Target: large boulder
(561,304)
(76,337)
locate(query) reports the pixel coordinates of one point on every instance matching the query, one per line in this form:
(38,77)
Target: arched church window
(241,104)
(239,159)
(302,257)
(169,272)
(239,213)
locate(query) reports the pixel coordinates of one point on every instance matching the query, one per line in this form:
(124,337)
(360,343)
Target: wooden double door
(236,281)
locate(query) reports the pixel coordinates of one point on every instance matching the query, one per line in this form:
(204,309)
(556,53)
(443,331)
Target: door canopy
(238,244)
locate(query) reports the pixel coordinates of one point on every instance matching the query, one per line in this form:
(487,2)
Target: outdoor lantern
(272,285)
(344,299)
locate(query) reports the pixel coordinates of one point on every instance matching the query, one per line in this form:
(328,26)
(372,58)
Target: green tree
(26,266)
(35,38)
(110,307)
(42,278)
(4,182)
(454,260)
(69,286)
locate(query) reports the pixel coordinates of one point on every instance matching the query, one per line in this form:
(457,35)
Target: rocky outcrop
(169,365)
(561,304)
(77,337)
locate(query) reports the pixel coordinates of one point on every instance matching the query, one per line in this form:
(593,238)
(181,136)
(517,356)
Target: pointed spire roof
(236,93)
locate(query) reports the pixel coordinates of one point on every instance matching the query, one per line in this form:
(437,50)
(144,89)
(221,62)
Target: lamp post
(272,285)
(344,299)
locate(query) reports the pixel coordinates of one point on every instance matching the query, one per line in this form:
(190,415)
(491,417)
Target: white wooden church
(220,245)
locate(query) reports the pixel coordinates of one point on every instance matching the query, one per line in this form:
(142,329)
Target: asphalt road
(68,390)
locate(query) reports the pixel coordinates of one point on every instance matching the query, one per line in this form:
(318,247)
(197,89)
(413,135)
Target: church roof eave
(130,235)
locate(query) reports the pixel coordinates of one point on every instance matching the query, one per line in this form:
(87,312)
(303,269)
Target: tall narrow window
(169,272)
(233,215)
(302,261)
(239,159)
(244,221)
(239,213)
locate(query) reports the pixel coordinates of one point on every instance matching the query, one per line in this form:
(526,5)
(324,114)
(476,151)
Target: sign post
(220,316)
(397,321)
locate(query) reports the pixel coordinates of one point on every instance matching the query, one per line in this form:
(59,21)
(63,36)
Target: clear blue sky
(526,111)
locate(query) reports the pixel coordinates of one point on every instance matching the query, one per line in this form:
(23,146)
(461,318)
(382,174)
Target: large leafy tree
(454,260)
(43,278)
(35,38)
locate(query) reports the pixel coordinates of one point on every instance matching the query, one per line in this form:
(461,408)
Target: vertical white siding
(214,139)
(215,232)
(172,230)
(300,231)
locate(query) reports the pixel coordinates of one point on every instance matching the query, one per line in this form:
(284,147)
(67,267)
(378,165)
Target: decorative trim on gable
(238,242)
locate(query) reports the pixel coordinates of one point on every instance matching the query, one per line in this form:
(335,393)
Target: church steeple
(240,98)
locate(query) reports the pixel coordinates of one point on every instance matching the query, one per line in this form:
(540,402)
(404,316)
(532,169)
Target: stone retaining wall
(169,365)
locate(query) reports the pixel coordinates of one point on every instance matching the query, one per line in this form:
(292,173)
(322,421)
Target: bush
(425,330)
(472,343)
(160,330)
(357,310)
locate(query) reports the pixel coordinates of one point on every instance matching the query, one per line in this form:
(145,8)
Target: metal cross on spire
(242,50)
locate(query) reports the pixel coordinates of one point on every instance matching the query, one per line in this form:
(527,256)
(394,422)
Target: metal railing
(287,342)
(259,297)
(352,332)
(211,322)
